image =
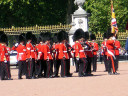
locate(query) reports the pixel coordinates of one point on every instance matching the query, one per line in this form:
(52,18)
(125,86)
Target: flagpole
(111,14)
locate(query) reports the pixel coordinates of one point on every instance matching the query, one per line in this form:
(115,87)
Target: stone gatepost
(79,20)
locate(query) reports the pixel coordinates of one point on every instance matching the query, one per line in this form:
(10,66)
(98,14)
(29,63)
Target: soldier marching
(43,56)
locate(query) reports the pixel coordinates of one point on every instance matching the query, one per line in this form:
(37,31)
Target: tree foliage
(100,14)
(20,13)
(32,12)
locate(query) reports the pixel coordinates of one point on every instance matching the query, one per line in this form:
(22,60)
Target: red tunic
(88,51)
(13,48)
(78,50)
(117,46)
(110,47)
(21,52)
(95,48)
(30,50)
(8,56)
(62,51)
(3,52)
(47,52)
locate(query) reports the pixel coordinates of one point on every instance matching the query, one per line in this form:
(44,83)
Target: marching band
(43,56)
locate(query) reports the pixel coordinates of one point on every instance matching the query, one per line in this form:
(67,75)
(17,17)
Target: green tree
(32,12)
(100,14)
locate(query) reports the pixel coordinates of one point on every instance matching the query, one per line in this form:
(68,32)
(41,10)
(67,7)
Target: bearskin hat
(22,37)
(109,34)
(1,32)
(47,36)
(86,35)
(62,35)
(116,36)
(34,39)
(67,37)
(79,33)
(105,36)
(3,38)
(55,39)
(92,37)
(41,37)
(29,36)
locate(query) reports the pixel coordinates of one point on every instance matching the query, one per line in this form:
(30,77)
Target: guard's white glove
(113,38)
(85,47)
(5,61)
(16,45)
(77,58)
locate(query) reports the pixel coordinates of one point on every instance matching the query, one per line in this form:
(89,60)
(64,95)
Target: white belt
(24,49)
(81,51)
(21,53)
(65,51)
(40,52)
(48,52)
(32,50)
(28,48)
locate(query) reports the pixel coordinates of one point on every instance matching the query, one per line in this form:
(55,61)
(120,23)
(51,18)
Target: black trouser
(57,66)
(68,66)
(31,68)
(111,65)
(83,66)
(89,61)
(9,72)
(63,67)
(22,65)
(77,64)
(4,71)
(116,62)
(105,62)
(40,67)
(44,67)
(49,68)
(37,67)
(94,62)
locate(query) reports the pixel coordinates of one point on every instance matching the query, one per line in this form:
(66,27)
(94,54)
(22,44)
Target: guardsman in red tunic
(89,53)
(104,51)
(40,56)
(8,59)
(110,54)
(76,60)
(69,50)
(55,56)
(48,55)
(94,50)
(34,42)
(30,52)
(117,47)
(3,51)
(21,57)
(79,51)
(62,55)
